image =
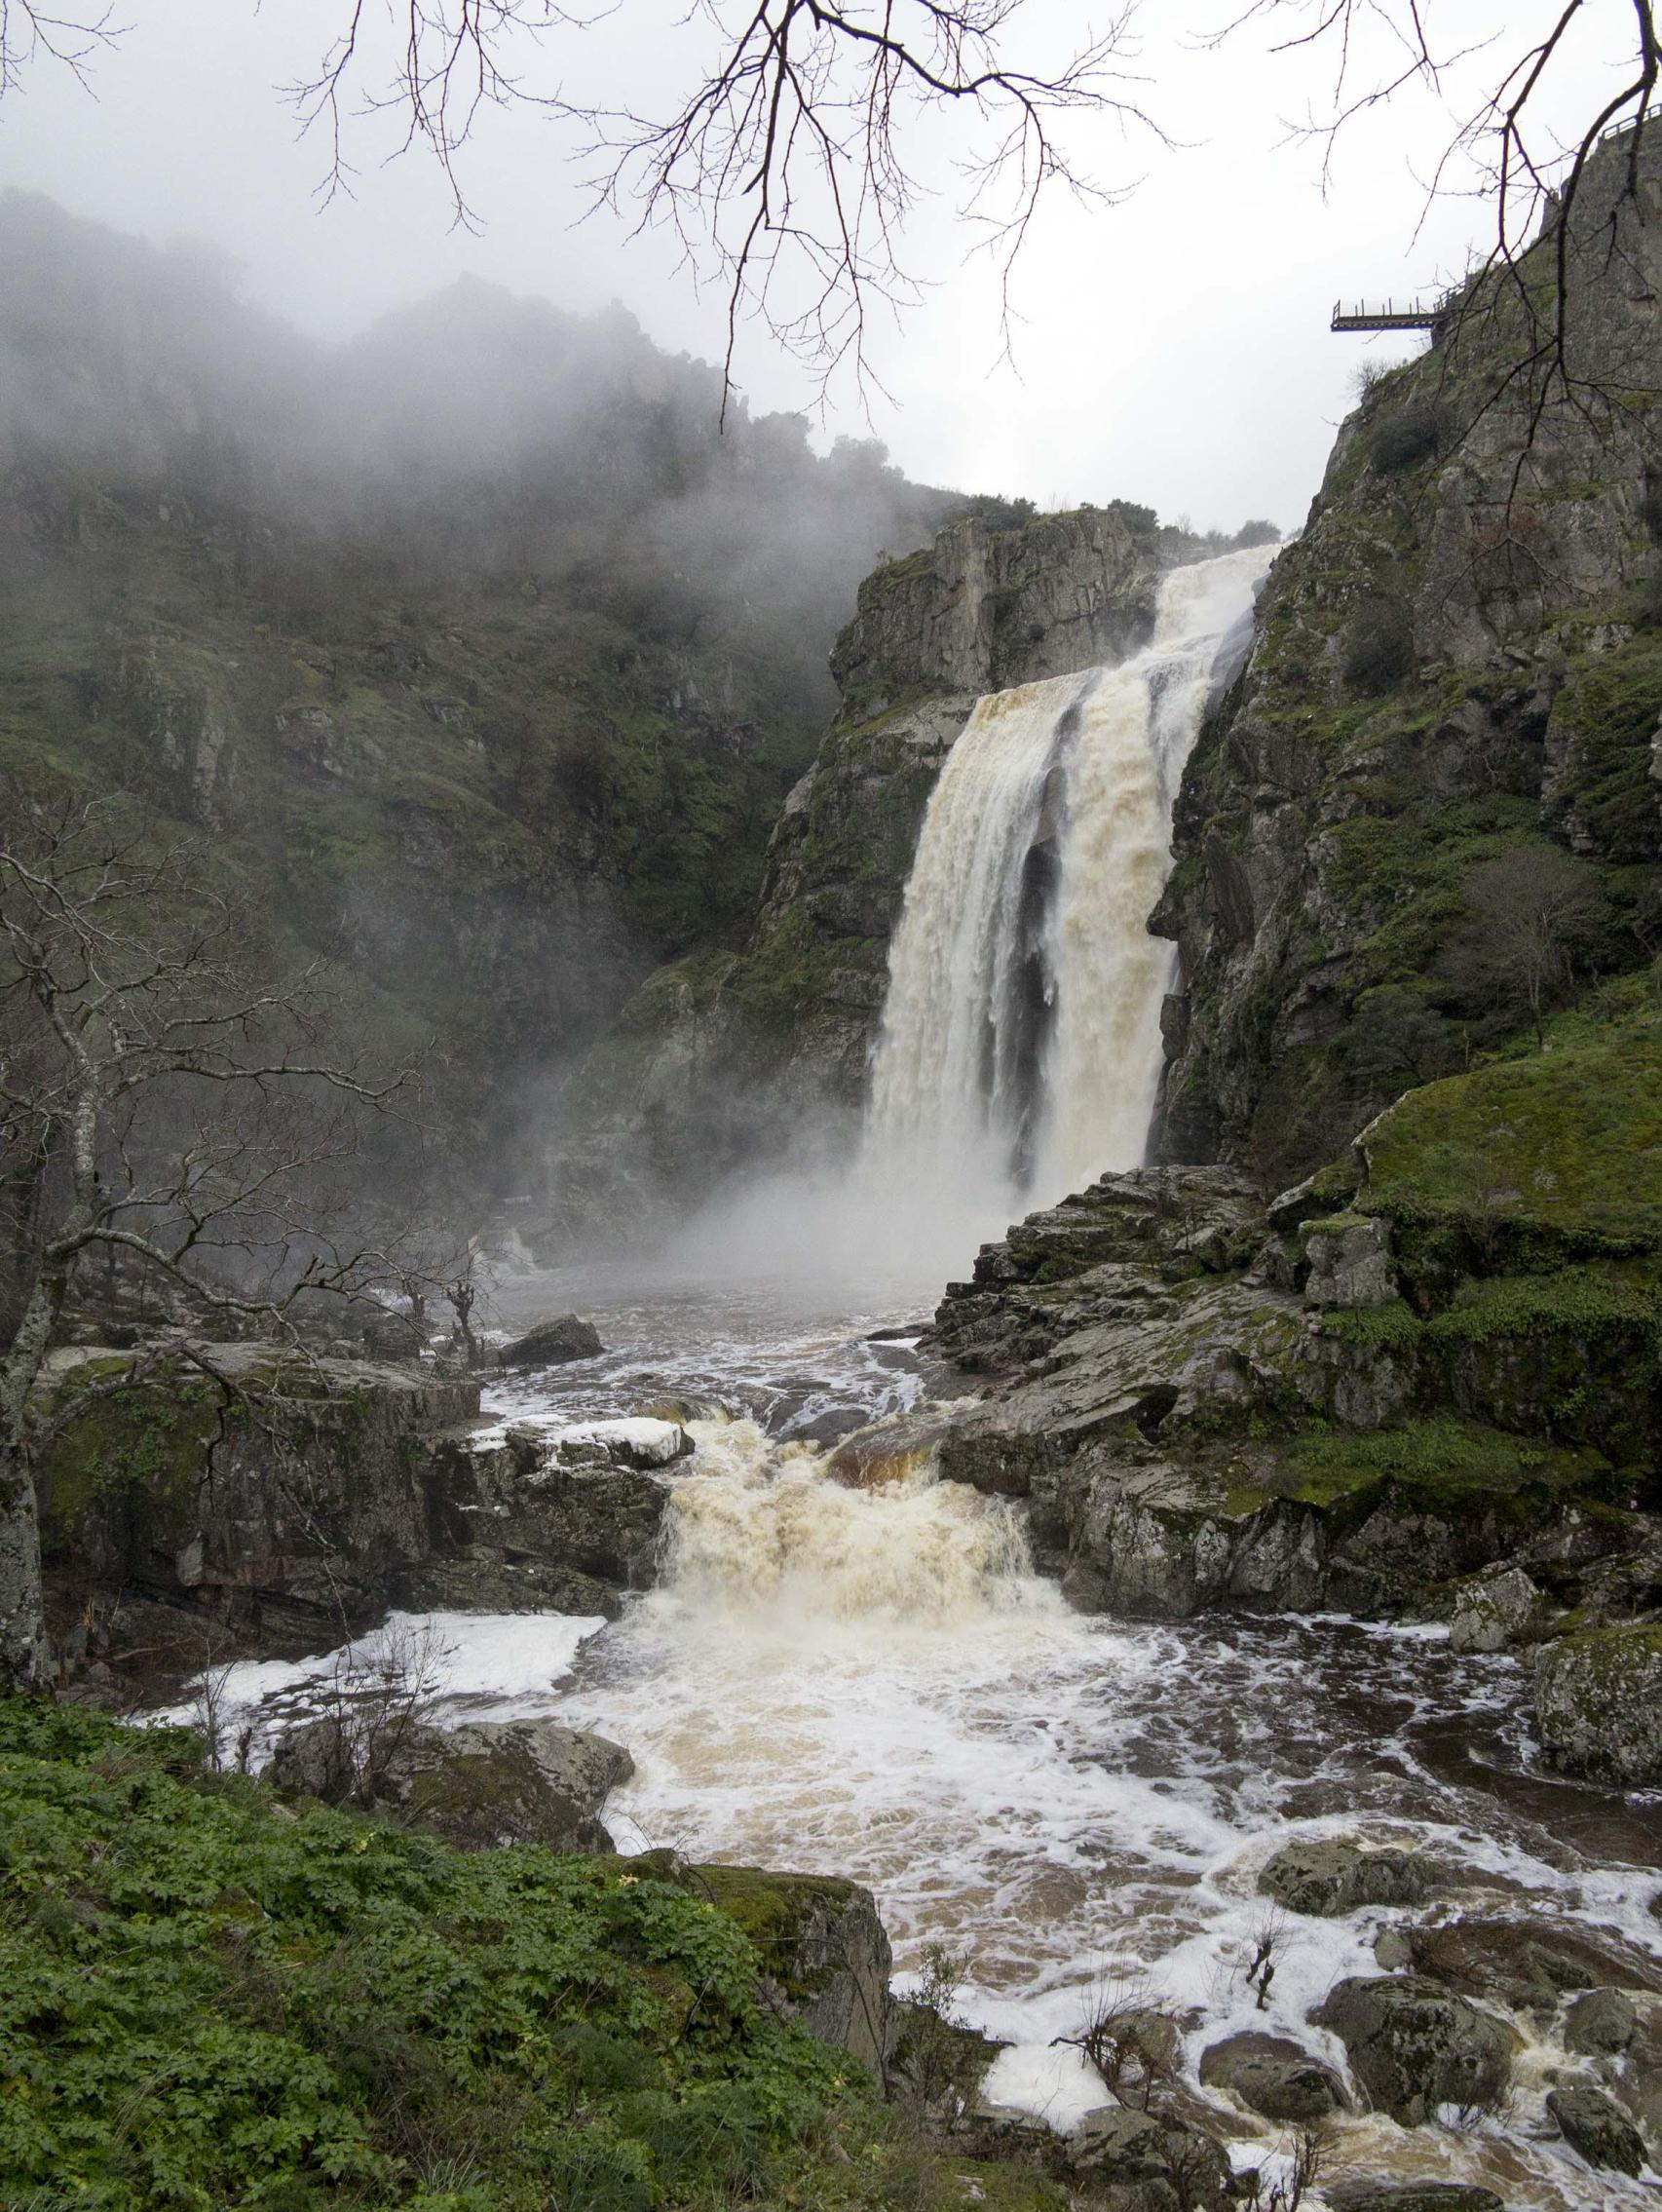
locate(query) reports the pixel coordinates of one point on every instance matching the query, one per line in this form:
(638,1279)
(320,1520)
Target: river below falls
(873,1683)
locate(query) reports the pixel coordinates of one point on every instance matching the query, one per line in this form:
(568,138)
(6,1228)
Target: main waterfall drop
(1020,1043)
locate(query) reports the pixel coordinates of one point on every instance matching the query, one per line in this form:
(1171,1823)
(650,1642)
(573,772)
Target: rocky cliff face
(1424,1381)
(717,1057)
(294,1500)
(1459,662)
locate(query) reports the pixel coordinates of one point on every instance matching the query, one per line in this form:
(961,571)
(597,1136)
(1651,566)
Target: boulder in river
(1415,2045)
(1598,2129)
(1149,2159)
(1599,1704)
(1494,1609)
(1331,1875)
(553,1344)
(1275,2076)
(1600,2024)
(479,1785)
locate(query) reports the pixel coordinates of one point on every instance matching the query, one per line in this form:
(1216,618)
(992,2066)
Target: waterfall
(1020,1045)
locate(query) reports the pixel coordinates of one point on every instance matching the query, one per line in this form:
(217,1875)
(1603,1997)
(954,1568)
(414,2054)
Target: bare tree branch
(155,1108)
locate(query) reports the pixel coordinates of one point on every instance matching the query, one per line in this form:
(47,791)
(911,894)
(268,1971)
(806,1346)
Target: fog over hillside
(476,427)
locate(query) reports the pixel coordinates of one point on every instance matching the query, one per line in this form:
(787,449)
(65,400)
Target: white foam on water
(470,1665)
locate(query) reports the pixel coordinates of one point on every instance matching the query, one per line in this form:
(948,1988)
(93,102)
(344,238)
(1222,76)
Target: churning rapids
(872,1681)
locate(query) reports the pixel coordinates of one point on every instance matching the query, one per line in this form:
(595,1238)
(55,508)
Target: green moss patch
(1446,1466)
(1568,1139)
(151,1442)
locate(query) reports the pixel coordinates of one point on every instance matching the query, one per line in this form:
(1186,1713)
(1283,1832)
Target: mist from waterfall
(1020,1050)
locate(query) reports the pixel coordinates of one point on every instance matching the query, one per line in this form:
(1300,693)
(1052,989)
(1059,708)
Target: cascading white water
(1020,1043)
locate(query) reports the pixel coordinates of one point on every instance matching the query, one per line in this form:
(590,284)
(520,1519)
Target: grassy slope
(207,2000)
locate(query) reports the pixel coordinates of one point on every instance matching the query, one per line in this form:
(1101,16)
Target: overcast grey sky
(1173,349)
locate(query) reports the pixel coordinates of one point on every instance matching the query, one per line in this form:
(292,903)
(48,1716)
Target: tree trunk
(22,1614)
(23,1617)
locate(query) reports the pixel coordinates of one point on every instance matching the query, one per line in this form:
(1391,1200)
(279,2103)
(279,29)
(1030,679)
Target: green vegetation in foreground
(1570,1138)
(206,2002)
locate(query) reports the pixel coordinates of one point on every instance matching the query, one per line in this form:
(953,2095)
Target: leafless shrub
(1255,1962)
(211,1715)
(1128,2039)
(366,1715)
(1530,915)
(1369,374)
(1287,2192)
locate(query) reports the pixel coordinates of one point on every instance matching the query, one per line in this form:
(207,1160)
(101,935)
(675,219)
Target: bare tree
(30,32)
(156,1107)
(462,1292)
(788,171)
(1531,914)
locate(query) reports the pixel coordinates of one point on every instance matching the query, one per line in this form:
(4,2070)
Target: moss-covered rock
(1186,1431)
(281,1487)
(1599,1704)
(479,1785)
(825,1955)
(1415,2046)
(1328,1876)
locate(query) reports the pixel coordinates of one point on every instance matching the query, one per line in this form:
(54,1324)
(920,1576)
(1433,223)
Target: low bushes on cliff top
(208,2001)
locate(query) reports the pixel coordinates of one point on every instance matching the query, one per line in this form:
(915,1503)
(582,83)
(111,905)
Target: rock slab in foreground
(479,1787)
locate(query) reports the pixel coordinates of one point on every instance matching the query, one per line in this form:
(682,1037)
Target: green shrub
(1410,434)
(1379,646)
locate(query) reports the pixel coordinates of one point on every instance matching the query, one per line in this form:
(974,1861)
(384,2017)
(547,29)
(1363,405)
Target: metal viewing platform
(1389,315)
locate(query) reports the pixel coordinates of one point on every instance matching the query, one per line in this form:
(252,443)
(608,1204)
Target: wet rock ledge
(1348,1395)
(292,1501)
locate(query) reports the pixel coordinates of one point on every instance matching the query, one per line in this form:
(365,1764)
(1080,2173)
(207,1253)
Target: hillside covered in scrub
(208,1998)
(478,651)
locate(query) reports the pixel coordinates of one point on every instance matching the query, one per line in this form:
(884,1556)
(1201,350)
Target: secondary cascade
(1020,1045)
